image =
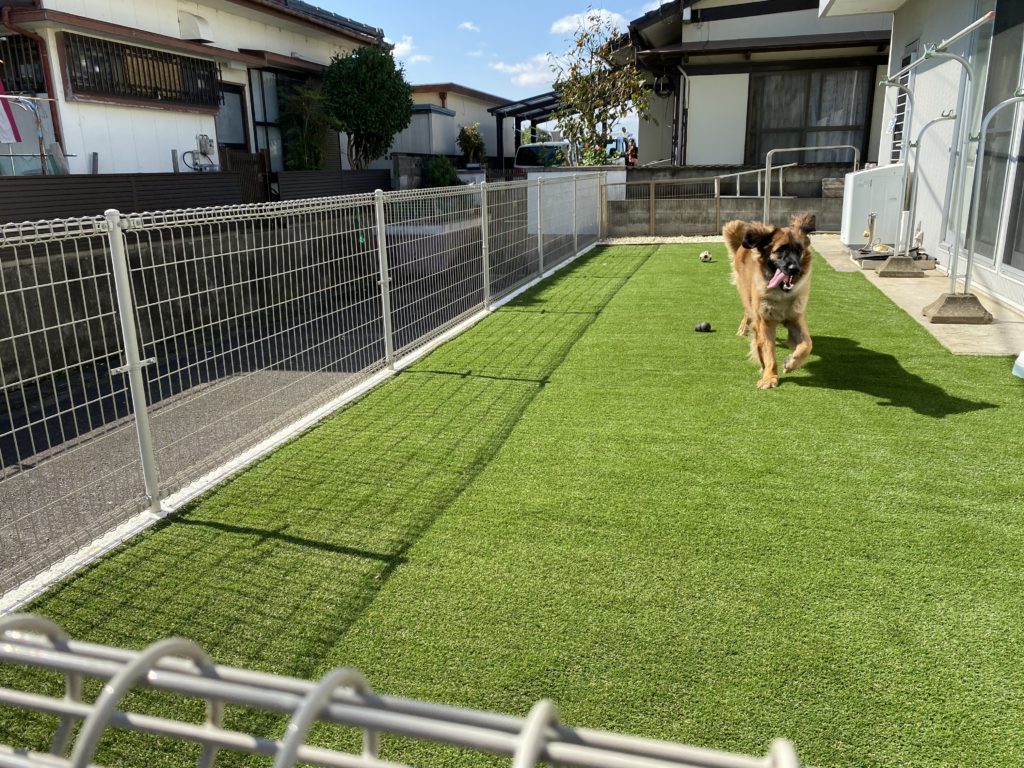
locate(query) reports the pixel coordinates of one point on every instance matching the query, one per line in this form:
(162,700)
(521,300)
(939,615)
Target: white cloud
(469,26)
(404,50)
(403,47)
(648,7)
(567,25)
(477,52)
(532,72)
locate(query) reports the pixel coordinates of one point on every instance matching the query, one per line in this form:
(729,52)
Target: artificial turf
(582,499)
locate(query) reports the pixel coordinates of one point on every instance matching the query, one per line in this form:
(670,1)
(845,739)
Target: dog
(771,267)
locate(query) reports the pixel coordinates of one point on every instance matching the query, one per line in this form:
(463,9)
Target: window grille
(104,68)
(20,68)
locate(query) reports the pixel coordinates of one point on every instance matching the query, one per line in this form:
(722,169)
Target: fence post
(718,204)
(485,245)
(385,279)
(540,226)
(602,207)
(575,222)
(133,364)
(650,203)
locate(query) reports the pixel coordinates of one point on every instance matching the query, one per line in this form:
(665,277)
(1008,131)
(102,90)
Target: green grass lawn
(582,499)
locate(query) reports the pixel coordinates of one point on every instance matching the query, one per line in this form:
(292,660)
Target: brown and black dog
(771,267)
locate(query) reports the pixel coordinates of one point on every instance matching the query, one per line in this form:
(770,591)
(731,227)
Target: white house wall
(654,142)
(132,139)
(469,110)
(780,25)
(935,88)
(717,125)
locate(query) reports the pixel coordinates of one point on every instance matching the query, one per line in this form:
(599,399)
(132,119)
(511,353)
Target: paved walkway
(1004,336)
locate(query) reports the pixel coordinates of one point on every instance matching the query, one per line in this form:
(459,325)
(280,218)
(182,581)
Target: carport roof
(536,109)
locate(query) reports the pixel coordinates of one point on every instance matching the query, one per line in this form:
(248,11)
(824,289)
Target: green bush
(439,172)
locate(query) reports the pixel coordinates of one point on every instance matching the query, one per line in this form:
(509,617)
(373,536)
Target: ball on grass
(704,327)
(705,256)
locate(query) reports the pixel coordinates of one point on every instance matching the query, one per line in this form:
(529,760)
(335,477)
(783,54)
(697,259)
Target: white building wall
(717,127)
(654,142)
(936,88)
(137,139)
(780,25)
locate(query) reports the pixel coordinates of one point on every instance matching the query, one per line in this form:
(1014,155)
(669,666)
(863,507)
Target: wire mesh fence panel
(588,210)
(435,261)
(685,207)
(557,196)
(69,463)
(254,316)
(628,209)
(512,236)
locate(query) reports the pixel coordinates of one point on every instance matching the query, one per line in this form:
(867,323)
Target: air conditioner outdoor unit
(873,190)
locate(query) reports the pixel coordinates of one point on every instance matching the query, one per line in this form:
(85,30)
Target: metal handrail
(768,167)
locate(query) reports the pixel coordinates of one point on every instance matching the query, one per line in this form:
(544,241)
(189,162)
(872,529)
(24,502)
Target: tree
(596,91)
(368,99)
(471,143)
(306,127)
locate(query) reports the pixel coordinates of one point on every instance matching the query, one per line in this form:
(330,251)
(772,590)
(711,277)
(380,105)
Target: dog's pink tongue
(777,278)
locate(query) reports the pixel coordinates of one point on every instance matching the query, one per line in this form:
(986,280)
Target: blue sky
(497,47)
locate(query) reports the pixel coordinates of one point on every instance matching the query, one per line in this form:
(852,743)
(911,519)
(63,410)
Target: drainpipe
(44,58)
(684,106)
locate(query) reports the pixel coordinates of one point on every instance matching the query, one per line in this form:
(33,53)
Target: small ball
(705,256)
(704,327)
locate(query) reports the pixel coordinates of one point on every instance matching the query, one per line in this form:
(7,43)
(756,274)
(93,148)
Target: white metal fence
(342,700)
(141,352)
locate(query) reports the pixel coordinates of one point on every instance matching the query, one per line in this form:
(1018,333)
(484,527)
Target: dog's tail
(733,233)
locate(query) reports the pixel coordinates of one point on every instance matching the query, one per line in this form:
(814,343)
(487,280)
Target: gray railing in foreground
(342,697)
(142,354)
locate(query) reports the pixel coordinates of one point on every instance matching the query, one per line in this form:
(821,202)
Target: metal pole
(603,207)
(540,226)
(385,279)
(1017,98)
(133,364)
(718,204)
(942,46)
(650,205)
(916,173)
(768,192)
(964,140)
(575,228)
(485,244)
(781,169)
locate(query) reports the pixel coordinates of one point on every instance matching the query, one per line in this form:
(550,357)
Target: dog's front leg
(764,344)
(801,335)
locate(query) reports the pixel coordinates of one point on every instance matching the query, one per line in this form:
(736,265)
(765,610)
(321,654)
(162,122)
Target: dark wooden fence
(296,185)
(28,198)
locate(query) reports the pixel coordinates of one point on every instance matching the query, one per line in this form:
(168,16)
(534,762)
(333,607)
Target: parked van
(543,154)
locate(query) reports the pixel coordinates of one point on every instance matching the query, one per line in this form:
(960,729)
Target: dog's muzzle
(787,270)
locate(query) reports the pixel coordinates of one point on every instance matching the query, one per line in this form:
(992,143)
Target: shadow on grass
(271,570)
(845,364)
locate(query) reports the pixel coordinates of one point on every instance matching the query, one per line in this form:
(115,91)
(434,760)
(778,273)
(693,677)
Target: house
(994,51)
(439,111)
(128,87)
(735,78)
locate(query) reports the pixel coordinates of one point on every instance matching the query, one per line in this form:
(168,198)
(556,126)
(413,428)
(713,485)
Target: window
(104,68)
(20,68)
(808,108)
(266,86)
(230,120)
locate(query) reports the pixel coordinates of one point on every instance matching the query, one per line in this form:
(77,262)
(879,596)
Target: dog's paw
(743,330)
(790,364)
(769,382)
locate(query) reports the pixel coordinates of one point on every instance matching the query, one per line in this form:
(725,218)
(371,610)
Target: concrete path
(1004,336)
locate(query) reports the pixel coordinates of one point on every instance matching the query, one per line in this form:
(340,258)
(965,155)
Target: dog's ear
(805,222)
(758,236)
